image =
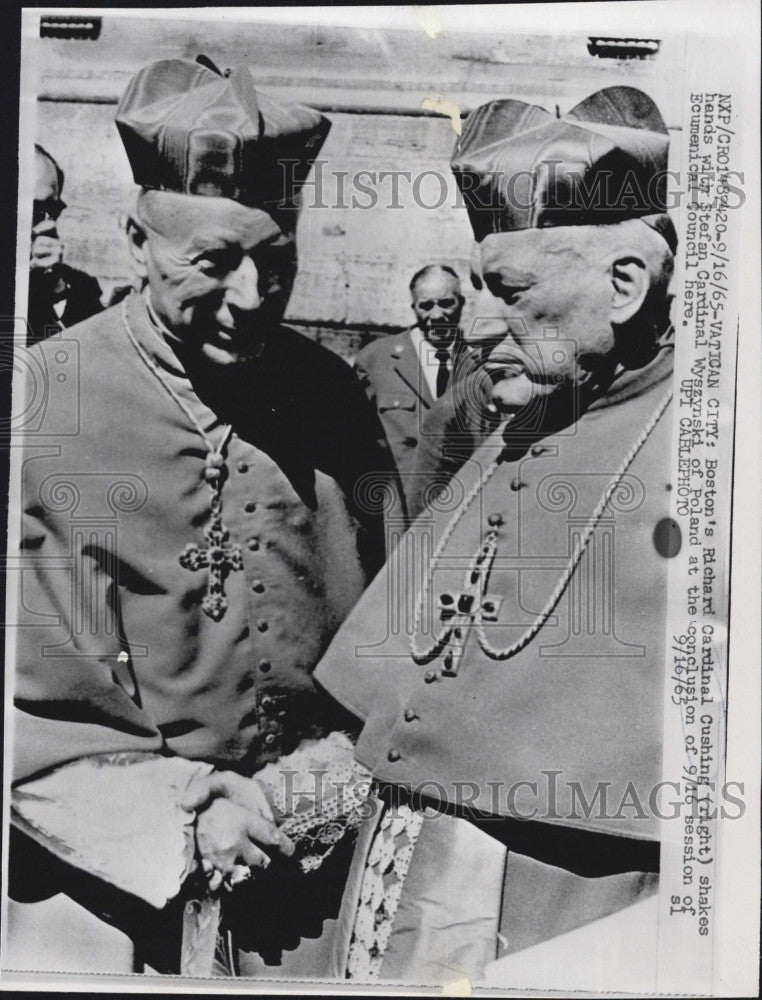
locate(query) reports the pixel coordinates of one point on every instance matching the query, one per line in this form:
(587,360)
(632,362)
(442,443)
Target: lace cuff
(319,793)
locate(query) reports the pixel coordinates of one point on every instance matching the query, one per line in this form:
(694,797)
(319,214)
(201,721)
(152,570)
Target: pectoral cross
(470,606)
(219,559)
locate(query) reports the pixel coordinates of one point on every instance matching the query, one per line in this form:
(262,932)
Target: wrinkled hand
(47,249)
(226,838)
(235,822)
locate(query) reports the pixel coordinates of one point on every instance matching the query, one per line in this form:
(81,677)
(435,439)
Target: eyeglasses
(51,209)
(428,304)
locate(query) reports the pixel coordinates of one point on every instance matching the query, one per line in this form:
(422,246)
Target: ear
(630,282)
(137,243)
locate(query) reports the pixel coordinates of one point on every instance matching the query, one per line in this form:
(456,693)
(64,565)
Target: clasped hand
(235,826)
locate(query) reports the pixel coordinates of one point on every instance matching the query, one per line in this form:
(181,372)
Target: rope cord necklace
(471,606)
(219,557)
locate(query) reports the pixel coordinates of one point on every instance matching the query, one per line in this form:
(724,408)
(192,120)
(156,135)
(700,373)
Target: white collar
(427,358)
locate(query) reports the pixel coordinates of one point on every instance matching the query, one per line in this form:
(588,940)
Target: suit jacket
(391,374)
(584,694)
(83,300)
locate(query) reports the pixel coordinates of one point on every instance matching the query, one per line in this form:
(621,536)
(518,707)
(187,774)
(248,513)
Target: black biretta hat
(519,167)
(191,129)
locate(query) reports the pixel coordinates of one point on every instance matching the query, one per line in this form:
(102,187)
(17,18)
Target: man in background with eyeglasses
(59,295)
(404,374)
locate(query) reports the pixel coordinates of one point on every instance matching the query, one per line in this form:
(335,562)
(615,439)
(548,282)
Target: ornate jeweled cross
(219,558)
(470,606)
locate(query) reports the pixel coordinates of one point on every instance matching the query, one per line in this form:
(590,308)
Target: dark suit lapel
(408,368)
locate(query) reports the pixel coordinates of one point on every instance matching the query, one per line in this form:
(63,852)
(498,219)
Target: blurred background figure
(59,295)
(404,374)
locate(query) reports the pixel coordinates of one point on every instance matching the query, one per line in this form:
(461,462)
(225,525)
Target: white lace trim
(386,869)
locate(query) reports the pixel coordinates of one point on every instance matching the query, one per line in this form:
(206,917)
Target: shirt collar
(422,345)
(635,381)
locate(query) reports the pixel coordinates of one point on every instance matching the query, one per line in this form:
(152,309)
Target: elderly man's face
(543,317)
(220,274)
(46,248)
(47,194)
(437,304)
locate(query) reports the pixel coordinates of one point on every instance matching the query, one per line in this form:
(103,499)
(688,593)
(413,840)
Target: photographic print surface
(385,391)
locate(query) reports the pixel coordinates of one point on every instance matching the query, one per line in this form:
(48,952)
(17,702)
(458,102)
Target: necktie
(442,354)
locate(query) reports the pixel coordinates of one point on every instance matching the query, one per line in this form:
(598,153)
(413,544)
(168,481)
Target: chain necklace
(218,557)
(471,608)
